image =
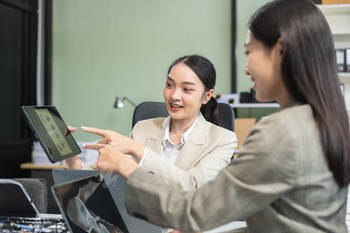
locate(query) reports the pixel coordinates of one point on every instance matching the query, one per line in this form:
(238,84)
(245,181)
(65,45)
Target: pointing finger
(93,146)
(97,131)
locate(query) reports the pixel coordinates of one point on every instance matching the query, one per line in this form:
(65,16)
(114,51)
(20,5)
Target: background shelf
(255,105)
(334,9)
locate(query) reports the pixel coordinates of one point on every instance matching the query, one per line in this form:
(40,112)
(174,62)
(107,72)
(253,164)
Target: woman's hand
(69,130)
(113,161)
(72,162)
(121,143)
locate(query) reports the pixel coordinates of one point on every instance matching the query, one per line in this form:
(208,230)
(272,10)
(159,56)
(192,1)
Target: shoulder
(287,130)
(280,141)
(147,127)
(214,132)
(297,118)
(150,122)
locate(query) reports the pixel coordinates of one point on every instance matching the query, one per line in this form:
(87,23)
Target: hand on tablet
(70,130)
(72,162)
(121,143)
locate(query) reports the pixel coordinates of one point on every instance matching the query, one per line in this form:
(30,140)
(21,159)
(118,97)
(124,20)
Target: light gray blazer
(280,182)
(207,150)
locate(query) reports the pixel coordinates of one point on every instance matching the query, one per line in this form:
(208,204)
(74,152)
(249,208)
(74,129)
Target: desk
(34,166)
(228,227)
(45,171)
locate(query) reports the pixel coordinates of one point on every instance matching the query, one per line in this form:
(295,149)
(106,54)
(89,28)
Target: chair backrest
(37,191)
(226,116)
(148,110)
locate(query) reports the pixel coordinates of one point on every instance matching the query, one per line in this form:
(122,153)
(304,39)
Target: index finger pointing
(97,131)
(93,146)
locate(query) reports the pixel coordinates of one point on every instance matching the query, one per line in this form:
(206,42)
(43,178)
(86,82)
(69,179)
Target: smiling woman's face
(264,67)
(183,93)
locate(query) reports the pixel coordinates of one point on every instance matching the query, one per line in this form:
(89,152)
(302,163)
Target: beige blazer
(280,182)
(207,150)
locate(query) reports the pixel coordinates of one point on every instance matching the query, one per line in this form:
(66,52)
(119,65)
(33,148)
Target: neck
(284,100)
(181,126)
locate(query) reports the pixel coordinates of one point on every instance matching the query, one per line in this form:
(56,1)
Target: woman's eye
(168,85)
(246,53)
(187,89)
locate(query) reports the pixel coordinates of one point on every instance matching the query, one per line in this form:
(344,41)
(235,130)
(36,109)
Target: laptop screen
(87,206)
(14,200)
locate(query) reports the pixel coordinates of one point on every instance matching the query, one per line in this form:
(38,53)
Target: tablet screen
(51,132)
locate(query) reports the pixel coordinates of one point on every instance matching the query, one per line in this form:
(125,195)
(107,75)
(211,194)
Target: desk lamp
(119,102)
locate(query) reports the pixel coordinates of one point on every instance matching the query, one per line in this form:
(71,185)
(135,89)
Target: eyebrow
(245,45)
(189,83)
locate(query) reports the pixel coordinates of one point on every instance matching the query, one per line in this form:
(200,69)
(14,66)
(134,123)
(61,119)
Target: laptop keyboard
(27,224)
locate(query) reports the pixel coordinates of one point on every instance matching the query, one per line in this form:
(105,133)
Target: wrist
(138,152)
(126,166)
(74,163)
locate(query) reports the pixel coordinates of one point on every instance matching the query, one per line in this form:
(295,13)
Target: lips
(253,80)
(175,107)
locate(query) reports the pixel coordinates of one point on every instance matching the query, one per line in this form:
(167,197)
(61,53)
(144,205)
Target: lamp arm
(129,101)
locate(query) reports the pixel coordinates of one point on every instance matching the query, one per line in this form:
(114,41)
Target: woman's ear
(280,47)
(207,96)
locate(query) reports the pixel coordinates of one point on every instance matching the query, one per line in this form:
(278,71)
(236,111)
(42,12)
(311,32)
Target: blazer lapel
(155,141)
(194,145)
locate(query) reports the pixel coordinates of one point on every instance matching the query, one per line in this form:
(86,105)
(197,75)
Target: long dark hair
(205,71)
(309,72)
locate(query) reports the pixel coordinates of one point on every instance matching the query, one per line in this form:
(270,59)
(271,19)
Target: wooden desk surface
(44,166)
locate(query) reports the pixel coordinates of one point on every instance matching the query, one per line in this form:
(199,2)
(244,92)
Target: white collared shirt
(171,151)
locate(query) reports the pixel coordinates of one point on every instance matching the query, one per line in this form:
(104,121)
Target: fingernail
(83,127)
(84,145)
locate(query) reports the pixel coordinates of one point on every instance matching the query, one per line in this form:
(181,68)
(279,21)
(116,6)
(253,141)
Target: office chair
(147,110)
(37,191)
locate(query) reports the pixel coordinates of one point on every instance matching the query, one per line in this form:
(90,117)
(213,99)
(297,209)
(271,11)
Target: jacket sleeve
(86,167)
(253,181)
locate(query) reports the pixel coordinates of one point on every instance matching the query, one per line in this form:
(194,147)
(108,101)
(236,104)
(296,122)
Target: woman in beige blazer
(293,171)
(208,148)
(187,148)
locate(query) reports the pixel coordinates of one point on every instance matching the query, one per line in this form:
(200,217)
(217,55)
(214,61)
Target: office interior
(103,49)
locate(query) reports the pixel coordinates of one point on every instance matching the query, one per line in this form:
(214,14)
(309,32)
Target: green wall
(245,9)
(106,48)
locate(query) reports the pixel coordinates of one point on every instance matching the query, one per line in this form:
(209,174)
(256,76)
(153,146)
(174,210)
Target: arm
(262,173)
(214,159)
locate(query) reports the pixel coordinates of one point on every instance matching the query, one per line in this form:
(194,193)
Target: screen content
(89,207)
(54,132)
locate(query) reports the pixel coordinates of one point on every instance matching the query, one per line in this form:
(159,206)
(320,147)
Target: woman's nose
(246,71)
(176,94)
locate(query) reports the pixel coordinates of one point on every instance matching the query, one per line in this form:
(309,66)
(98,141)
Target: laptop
(115,187)
(18,212)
